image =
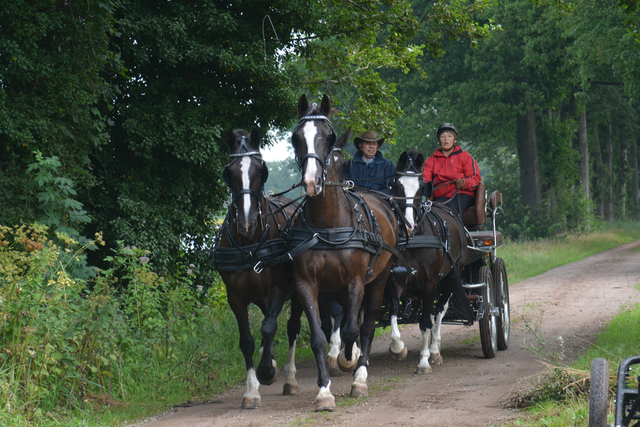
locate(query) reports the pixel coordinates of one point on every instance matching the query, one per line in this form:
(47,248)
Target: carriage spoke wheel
(599,392)
(488,329)
(503,321)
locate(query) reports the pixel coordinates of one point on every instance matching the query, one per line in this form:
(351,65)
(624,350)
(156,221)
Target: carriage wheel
(599,393)
(488,330)
(503,321)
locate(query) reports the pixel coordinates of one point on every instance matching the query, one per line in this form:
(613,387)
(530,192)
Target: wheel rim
(492,320)
(504,306)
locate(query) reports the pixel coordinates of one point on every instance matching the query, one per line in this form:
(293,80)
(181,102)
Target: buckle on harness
(258,267)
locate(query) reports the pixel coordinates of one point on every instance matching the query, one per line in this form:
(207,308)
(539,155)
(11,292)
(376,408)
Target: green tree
(54,57)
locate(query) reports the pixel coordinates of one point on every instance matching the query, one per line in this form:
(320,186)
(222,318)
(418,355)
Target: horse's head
(312,140)
(245,176)
(407,184)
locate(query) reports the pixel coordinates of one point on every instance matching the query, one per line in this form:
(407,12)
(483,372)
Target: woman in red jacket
(452,169)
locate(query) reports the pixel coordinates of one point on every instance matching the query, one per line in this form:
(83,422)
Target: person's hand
(460,183)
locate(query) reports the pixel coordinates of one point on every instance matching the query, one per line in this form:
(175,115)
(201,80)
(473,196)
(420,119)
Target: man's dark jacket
(373,175)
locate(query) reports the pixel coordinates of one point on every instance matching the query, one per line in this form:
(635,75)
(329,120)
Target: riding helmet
(446,126)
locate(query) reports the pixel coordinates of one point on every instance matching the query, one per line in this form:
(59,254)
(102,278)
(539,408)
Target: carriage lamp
(488,241)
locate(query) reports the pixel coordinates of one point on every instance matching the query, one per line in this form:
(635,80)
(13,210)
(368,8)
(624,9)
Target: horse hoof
(346,365)
(269,375)
(399,356)
(290,389)
(250,403)
(332,367)
(327,404)
(359,390)
(424,370)
(435,360)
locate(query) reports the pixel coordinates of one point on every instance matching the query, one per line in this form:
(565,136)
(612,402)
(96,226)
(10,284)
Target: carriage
(483,296)
(345,244)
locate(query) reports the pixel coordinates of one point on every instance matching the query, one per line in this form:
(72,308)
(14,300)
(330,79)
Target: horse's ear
(325,106)
(420,162)
(402,159)
(231,139)
(427,190)
(303,105)
(255,138)
(344,139)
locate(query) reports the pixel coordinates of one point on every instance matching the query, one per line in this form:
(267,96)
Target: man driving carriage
(454,172)
(368,168)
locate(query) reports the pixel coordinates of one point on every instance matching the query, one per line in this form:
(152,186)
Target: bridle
(327,160)
(413,172)
(245,151)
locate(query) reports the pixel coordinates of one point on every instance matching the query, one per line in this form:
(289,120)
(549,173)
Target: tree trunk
(608,167)
(633,160)
(584,153)
(621,193)
(599,176)
(530,187)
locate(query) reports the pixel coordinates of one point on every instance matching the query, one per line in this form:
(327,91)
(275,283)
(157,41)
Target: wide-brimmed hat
(367,136)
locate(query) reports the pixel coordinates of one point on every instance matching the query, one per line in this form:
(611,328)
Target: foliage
(54,58)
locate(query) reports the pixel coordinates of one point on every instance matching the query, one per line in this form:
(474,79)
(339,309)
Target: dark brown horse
(249,242)
(436,250)
(351,258)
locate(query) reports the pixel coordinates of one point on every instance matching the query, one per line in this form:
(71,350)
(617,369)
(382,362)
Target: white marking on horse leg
(436,336)
(324,394)
(423,365)
(334,344)
(397,345)
(359,384)
(245,164)
(290,383)
(251,398)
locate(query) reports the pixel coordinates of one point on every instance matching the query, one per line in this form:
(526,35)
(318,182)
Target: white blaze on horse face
(245,164)
(411,186)
(310,131)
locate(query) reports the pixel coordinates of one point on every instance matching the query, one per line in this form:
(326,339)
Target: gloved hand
(460,183)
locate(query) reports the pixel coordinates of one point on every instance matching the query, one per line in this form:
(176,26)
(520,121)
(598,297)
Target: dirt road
(573,302)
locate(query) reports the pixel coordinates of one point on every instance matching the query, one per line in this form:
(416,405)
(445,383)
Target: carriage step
(473,285)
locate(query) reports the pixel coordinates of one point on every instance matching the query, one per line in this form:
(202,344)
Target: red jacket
(440,169)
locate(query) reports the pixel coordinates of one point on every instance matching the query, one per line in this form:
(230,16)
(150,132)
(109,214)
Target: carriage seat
(475,216)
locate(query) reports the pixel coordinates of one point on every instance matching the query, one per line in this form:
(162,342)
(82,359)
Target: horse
(349,240)
(435,248)
(250,242)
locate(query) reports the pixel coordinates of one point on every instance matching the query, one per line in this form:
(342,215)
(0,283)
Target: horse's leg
(426,324)
(309,299)
(251,398)
(434,349)
(335,314)
(449,283)
(397,349)
(267,368)
(293,330)
(349,355)
(372,303)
